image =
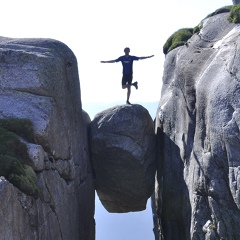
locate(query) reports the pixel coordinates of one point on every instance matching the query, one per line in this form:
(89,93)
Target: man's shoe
(127,102)
(135,84)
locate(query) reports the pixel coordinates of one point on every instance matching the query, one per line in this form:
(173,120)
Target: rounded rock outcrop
(40,91)
(123,154)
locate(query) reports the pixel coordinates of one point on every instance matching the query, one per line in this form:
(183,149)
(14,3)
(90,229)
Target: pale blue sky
(99,30)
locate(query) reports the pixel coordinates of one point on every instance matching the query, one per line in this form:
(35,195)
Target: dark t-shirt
(127,63)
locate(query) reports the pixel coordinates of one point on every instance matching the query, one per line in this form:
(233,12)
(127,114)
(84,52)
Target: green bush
(15,163)
(177,39)
(234,15)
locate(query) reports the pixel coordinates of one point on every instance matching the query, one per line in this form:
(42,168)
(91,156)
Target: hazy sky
(99,30)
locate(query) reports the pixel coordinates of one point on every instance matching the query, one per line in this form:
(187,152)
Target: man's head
(127,50)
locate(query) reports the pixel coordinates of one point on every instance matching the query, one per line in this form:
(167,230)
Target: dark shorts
(127,79)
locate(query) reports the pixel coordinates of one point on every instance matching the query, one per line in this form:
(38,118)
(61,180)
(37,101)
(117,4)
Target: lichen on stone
(15,163)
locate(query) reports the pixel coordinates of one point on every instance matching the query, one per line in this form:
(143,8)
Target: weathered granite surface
(123,151)
(39,81)
(197,124)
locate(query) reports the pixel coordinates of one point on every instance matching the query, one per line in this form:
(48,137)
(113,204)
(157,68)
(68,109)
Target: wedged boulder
(39,82)
(123,156)
(198,124)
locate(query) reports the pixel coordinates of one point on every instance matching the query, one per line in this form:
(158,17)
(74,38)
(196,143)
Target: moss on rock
(15,163)
(181,36)
(177,39)
(234,15)
(197,28)
(11,145)
(25,182)
(22,127)
(220,10)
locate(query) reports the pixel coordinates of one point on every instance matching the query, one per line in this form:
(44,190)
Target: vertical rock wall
(197,124)
(39,81)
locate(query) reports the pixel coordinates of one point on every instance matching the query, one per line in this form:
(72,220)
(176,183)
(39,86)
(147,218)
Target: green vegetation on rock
(22,127)
(181,36)
(25,182)
(234,15)
(177,39)
(220,10)
(15,164)
(197,28)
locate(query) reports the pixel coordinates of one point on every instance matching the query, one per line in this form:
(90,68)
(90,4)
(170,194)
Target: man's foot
(135,84)
(127,102)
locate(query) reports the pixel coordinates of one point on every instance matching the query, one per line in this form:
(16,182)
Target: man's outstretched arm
(111,61)
(140,58)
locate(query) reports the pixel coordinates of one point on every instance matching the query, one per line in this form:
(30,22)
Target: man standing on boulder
(127,62)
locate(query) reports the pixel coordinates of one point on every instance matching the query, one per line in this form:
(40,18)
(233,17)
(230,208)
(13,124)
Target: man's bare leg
(128,86)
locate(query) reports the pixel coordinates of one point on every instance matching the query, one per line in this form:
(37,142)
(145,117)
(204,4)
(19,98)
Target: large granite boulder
(197,125)
(39,81)
(123,155)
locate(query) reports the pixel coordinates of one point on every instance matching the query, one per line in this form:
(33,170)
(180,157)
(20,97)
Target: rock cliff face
(39,81)
(123,154)
(197,125)
(197,187)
